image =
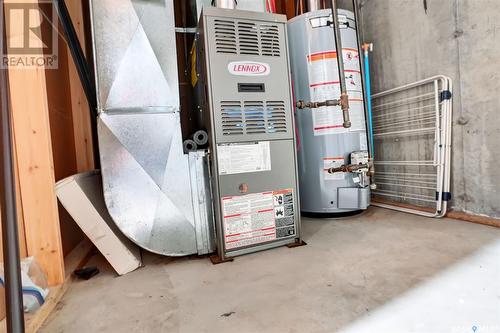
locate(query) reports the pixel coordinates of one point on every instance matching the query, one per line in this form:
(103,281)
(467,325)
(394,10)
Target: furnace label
(249,68)
(258,218)
(324,85)
(242,158)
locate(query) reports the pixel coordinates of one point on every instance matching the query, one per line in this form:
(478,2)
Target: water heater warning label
(324,85)
(242,158)
(258,218)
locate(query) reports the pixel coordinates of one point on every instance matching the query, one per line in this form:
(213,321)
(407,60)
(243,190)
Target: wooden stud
(492,222)
(452,214)
(35,166)
(20,217)
(81,116)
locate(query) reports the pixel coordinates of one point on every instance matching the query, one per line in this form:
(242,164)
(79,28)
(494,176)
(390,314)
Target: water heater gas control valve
(360,158)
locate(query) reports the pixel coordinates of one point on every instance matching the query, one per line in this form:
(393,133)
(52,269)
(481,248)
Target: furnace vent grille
(255,117)
(247,38)
(225,36)
(232,118)
(255,120)
(270,41)
(276,117)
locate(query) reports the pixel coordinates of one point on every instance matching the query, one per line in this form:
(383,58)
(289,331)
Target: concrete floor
(382,271)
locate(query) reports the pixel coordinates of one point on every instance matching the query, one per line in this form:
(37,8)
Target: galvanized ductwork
(146,175)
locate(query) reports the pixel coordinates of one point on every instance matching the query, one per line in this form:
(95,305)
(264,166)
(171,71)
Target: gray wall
(460,39)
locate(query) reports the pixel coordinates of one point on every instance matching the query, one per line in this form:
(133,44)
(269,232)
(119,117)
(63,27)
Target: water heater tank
(323,141)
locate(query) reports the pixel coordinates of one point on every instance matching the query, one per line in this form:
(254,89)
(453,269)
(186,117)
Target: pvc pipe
(228,4)
(10,237)
(313,5)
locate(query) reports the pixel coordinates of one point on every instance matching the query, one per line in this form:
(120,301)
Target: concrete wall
(460,39)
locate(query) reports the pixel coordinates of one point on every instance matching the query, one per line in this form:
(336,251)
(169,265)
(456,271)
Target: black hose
(83,70)
(10,237)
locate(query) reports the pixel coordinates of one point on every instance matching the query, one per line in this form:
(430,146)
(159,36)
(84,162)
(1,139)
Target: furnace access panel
(249,116)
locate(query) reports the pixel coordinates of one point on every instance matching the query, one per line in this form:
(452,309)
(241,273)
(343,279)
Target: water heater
(324,143)
(247,109)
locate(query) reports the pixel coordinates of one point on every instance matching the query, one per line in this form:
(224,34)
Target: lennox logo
(32,38)
(249,68)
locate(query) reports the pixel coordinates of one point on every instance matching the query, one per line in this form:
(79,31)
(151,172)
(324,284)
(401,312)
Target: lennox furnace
(247,110)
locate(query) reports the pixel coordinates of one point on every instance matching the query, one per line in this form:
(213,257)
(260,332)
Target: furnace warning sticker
(324,85)
(333,162)
(258,218)
(242,158)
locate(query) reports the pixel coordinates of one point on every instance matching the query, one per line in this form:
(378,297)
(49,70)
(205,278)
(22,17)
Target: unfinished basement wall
(415,39)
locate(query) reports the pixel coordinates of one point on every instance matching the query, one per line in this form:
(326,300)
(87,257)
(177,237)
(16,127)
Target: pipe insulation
(190,145)
(200,137)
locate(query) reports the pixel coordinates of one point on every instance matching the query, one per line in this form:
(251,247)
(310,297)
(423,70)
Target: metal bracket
(298,243)
(216,259)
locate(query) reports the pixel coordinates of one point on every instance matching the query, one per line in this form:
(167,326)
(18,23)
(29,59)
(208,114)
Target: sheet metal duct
(139,130)
(251,5)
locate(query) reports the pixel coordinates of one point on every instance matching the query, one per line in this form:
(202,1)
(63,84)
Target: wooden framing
(39,117)
(452,214)
(20,217)
(28,99)
(36,170)
(81,115)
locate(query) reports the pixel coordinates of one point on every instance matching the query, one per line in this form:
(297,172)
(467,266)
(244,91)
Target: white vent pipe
(229,4)
(313,5)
